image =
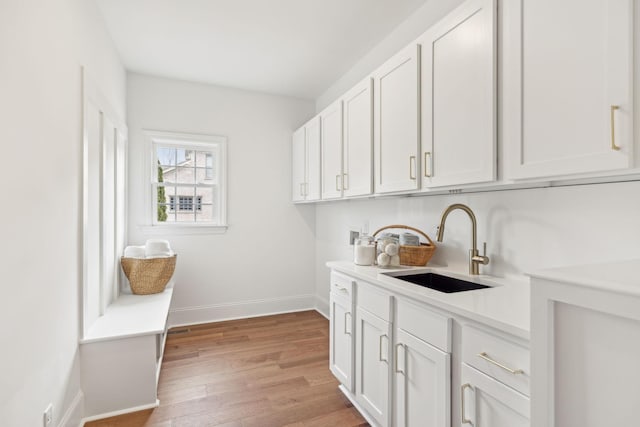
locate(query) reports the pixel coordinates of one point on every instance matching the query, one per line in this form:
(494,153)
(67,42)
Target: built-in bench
(122,353)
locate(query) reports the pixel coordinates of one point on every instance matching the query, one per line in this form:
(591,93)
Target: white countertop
(132,315)
(504,306)
(621,277)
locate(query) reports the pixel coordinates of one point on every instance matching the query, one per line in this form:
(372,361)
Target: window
(187,181)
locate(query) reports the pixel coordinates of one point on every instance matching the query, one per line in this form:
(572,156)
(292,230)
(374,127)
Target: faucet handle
(484,258)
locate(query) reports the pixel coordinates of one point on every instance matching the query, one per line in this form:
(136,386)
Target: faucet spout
(474,257)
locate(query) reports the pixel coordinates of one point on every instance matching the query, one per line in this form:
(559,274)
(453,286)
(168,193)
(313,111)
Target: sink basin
(440,283)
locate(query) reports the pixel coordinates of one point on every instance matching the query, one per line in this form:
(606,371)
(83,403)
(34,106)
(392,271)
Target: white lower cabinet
(422,377)
(341,340)
(395,362)
(372,365)
(486,402)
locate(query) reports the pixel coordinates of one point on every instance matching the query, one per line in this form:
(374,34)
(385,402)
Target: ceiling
(288,47)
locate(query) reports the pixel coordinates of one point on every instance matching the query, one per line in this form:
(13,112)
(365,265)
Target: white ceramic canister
(364,250)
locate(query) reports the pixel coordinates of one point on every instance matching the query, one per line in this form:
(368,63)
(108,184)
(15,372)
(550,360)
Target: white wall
(525,230)
(42,46)
(265,260)
(427,15)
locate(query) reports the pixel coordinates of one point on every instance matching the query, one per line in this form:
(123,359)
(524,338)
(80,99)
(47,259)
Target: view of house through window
(187,187)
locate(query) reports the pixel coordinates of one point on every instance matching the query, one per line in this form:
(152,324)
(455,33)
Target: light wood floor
(270,371)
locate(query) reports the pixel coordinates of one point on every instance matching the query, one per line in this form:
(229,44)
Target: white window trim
(189,140)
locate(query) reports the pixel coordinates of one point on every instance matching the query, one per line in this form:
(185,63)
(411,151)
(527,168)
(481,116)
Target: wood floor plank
(270,371)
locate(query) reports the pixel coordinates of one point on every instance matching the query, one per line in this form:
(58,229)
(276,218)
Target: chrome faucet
(475,259)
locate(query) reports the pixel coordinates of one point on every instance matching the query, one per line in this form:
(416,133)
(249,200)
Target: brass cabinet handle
(486,357)
(426,162)
(345,181)
(398,371)
(613,123)
(345,323)
(337,185)
(412,163)
(464,420)
(380,349)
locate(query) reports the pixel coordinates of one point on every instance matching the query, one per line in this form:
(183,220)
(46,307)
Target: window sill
(185,229)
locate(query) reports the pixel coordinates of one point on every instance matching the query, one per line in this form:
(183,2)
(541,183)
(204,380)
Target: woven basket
(148,275)
(413,255)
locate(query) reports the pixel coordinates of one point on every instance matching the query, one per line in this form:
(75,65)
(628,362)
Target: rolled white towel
(161,255)
(157,247)
(134,252)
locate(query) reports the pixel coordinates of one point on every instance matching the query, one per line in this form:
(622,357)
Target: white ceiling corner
(288,47)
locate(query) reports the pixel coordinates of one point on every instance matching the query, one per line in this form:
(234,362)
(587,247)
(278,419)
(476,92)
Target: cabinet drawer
(374,300)
(342,285)
(497,356)
(423,323)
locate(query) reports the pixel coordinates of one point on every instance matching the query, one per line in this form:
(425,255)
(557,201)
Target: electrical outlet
(353,235)
(47,418)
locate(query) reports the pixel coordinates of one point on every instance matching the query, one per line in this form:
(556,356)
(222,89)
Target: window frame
(186,141)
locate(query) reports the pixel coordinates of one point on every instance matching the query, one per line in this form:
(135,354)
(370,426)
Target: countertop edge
(508,328)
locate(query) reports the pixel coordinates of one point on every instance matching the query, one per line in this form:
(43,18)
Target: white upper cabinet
(298,168)
(358,140)
(458,102)
(396,137)
(331,146)
(567,83)
(312,139)
(305,155)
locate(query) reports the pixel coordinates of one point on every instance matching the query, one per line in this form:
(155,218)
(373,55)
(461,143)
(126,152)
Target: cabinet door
(358,140)
(396,122)
(563,78)
(341,358)
(312,137)
(458,112)
(331,136)
(298,165)
(489,403)
(372,365)
(422,383)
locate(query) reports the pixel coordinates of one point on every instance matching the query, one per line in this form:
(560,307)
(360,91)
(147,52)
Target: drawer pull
(464,419)
(613,132)
(486,357)
(412,167)
(346,313)
(382,359)
(341,289)
(398,371)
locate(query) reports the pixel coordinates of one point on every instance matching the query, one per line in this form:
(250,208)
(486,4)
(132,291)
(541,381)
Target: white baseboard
(73,415)
(239,310)
(322,306)
(119,412)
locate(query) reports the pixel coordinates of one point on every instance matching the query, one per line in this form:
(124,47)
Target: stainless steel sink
(440,283)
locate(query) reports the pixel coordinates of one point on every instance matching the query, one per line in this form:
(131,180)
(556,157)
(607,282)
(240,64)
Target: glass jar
(364,250)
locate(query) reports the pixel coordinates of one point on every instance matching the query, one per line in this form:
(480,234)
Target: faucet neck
(467,209)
